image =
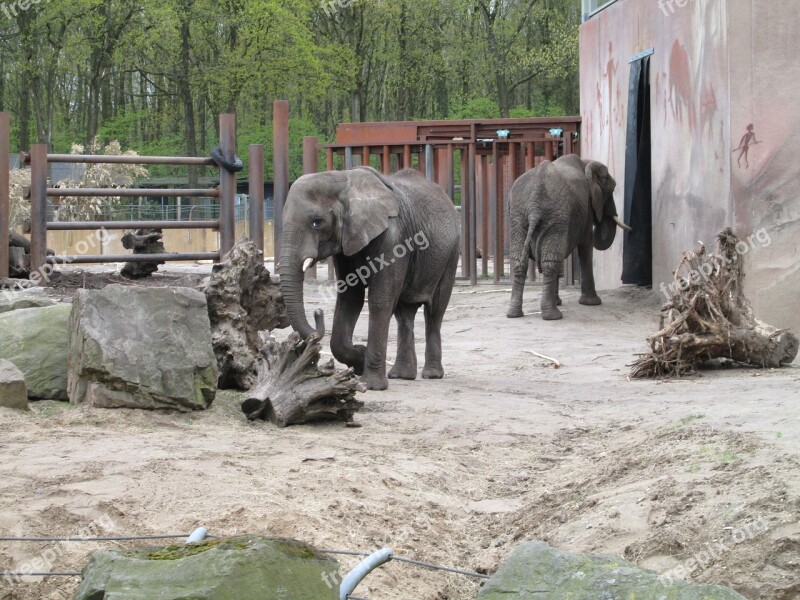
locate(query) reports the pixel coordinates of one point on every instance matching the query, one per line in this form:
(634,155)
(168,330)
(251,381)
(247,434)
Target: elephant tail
(527,248)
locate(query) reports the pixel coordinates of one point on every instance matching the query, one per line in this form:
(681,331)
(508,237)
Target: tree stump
(708,317)
(242,301)
(142,241)
(293,388)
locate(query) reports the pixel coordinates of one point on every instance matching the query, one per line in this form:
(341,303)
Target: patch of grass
(727,457)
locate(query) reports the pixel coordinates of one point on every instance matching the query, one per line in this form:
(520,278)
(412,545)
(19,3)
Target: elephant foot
(590,300)
(375,381)
(436,372)
(551,314)
(514,313)
(399,371)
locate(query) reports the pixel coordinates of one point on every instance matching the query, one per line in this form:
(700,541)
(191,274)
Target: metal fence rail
(39,159)
(473,164)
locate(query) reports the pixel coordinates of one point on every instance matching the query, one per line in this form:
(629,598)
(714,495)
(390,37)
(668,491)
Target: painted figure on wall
(748,139)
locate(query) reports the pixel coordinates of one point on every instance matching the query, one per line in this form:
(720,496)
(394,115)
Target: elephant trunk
(291,272)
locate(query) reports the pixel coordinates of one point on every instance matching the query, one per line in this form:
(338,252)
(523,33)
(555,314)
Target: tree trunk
(185,89)
(142,241)
(293,388)
(242,301)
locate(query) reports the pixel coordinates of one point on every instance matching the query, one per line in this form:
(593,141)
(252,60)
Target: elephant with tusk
(397,236)
(554,208)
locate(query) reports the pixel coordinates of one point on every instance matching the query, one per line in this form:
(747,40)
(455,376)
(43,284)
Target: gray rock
(246,567)
(139,347)
(35,340)
(538,566)
(13,392)
(30,298)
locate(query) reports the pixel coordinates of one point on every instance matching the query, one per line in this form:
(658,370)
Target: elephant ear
(604,233)
(595,173)
(370,201)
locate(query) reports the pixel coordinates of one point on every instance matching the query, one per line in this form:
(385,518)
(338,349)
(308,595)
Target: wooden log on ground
(142,241)
(709,317)
(294,388)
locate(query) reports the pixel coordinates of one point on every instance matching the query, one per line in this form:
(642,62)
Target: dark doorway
(637,254)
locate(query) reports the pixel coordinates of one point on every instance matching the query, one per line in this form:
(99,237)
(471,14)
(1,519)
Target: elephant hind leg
(521,251)
(405,364)
(434,314)
(550,298)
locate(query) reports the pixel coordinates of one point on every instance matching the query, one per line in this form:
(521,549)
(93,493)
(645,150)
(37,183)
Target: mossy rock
(35,340)
(537,571)
(238,568)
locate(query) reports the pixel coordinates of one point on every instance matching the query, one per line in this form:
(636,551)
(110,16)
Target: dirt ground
(697,477)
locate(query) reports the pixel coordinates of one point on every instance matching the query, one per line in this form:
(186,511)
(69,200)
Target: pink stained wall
(718,66)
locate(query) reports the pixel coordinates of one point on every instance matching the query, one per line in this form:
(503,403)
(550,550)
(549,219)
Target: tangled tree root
(293,388)
(708,317)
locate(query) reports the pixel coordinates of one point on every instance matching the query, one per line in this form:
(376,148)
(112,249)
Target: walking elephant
(554,208)
(397,236)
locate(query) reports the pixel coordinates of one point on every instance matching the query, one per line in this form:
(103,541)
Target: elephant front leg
(348,308)
(589,295)
(550,299)
(375,360)
(520,273)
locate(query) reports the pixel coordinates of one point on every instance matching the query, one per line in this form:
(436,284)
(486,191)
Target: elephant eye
(317,223)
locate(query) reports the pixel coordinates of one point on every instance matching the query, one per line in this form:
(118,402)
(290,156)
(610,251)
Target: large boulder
(30,298)
(13,392)
(237,568)
(35,340)
(139,347)
(536,570)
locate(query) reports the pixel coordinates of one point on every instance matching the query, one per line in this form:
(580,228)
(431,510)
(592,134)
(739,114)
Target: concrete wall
(72,243)
(718,66)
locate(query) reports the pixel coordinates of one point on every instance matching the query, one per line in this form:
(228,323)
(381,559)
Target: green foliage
(156,74)
(478,108)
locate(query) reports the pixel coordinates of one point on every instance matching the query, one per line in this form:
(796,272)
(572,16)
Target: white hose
(362,569)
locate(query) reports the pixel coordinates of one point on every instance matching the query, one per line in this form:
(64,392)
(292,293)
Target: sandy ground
(702,475)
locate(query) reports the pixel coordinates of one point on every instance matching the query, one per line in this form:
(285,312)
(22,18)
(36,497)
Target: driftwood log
(294,388)
(19,255)
(709,317)
(242,301)
(142,241)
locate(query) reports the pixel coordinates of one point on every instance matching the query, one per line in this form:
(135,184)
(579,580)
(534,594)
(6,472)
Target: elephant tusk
(308,264)
(622,225)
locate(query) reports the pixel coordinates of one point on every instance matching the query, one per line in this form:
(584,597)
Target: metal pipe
(38,206)
(348,158)
(198,535)
(361,570)
(499,254)
(89,225)
(280,161)
(5,203)
(386,167)
(129,160)
(227,184)
(132,192)
(120,258)
(465,221)
(473,225)
(429,171)
(256,194)
(310,166)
